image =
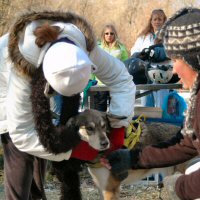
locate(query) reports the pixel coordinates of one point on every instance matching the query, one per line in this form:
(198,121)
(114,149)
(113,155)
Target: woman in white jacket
(63,65)
(146,39)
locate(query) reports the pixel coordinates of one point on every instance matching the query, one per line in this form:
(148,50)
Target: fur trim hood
(17,32)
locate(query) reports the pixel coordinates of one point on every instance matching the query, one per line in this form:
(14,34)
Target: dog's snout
(105,144)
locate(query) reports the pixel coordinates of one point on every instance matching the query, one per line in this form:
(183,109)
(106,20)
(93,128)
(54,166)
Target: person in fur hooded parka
(53,52)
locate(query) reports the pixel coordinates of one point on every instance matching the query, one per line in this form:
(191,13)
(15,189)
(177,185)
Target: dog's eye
(89,128)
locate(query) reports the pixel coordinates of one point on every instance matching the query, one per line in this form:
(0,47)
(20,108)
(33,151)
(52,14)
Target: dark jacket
(175,151)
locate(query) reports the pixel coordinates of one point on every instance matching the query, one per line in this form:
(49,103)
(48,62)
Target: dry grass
(90,191)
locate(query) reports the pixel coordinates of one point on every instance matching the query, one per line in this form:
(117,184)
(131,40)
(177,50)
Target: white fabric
(67,68)
(27,46)
(193,168)
(113,73)
(141,43)
(33,54)
(4,76)
(73,33)
(20,120)
(21,125)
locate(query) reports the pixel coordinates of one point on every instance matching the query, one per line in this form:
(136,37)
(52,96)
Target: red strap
(116,139)
(84,152)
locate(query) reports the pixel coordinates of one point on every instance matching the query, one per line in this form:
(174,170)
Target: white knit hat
(67,68)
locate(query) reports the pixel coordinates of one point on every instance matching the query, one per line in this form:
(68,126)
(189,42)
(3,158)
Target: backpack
(151,66)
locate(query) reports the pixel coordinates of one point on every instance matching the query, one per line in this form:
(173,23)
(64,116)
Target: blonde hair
(149,28)
(116,39)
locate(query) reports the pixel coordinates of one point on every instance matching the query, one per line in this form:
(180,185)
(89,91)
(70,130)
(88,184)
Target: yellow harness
(133,132)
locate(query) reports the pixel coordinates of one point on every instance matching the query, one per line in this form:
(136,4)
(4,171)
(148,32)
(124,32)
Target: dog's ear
(105,118)
(72,121)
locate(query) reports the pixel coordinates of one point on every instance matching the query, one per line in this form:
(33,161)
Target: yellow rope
(133,132)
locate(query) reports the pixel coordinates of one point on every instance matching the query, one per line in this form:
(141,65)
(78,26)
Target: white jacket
(4,74)
(21,125)
(142,42)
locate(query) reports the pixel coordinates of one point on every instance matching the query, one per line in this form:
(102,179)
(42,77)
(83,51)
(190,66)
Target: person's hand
(144,55)
(116,121)
(83,151)
(169,184)
(119,162)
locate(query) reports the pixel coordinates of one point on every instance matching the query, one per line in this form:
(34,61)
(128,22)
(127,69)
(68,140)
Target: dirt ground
(90,192)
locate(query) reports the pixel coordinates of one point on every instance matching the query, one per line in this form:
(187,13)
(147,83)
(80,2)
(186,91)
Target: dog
(152,133)
(94,128)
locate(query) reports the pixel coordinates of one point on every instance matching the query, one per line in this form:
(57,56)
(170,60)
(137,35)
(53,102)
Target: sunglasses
(109,33)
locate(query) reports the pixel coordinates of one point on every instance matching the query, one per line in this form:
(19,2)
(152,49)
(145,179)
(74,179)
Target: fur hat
(181,36)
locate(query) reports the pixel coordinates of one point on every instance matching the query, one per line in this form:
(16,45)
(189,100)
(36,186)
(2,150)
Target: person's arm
(137,47)
(171,152)
(179,186)
(187,186)
(113,73)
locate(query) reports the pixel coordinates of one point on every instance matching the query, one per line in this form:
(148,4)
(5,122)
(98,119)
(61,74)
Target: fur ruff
(17,29)
(55,139)
(58,139)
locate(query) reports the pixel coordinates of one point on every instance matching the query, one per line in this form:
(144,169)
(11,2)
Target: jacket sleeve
(113,73)
(4,77)
(137,47)
(187,186)
(175,151)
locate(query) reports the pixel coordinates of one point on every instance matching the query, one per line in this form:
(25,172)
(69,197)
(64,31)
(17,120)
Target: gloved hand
(117,121)
(144,55)
(169,184)
(120,162)
(83,151)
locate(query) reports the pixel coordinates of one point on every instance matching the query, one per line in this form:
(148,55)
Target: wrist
(134,158)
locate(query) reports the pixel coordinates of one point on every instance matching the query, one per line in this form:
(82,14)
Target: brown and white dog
(152,133)
(93,127)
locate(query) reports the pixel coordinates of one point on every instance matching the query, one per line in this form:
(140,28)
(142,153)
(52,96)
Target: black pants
(23,173)
(101,100)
